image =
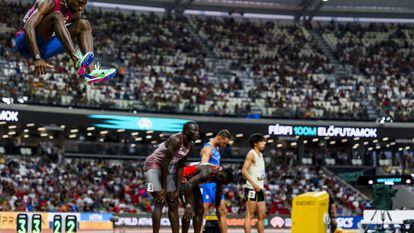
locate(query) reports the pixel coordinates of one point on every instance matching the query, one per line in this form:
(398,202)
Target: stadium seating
(36,183)
(382,55)
(223,66)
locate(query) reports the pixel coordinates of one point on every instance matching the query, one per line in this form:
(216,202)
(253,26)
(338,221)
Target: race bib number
(262,175)
(150,187)
(251,194)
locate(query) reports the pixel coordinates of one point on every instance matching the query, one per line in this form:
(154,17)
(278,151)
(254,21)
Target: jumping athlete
(254,172)
(163,171)
(210,154)
(190,194)
(49,28)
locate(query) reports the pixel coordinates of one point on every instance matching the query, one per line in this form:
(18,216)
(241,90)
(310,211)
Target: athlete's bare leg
(223,217)
(81,30)
(206,209)
(55,23)
(172,201)
(156,214)
(250,211)
(185,225)
(199,211)
(222,222)
(261,215)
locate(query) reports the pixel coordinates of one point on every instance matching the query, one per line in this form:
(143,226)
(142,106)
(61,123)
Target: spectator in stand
(165,68)
(38,184)
(382,56)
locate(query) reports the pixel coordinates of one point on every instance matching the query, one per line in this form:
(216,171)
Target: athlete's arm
(219,193)
(249,160)
(180,168)
(173,145)
(206,154)
(204,173)
(219,210)
(43,8)
(179,173)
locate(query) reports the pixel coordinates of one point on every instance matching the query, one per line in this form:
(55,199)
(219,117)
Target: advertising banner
(322,131)
(136,221)
(95,217)
(173,123)
(8,220)
(348,222)
(101,221)
(95,221)
(95,225)
(271,221)
(139,123)
(9,116)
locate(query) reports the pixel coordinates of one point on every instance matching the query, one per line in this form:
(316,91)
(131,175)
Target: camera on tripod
(383,218)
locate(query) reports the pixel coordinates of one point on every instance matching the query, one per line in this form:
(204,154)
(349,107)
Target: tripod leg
(389,215)
(373,216)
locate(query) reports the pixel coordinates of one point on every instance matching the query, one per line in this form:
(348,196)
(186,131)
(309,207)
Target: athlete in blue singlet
(210,154)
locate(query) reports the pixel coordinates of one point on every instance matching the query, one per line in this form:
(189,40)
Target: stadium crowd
(173,64)
(277,70)
(41,184)
(383,55)
(263,48)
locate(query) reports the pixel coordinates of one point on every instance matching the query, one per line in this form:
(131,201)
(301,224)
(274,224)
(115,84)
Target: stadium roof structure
(403,9)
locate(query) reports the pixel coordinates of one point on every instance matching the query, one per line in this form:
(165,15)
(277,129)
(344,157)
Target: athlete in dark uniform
(190,194)
(163,171)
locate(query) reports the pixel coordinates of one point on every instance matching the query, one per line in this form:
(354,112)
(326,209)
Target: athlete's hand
(334,223)
(189,212)
(175,196)
(160,196)
(256,188)
(41,66)
(218,212)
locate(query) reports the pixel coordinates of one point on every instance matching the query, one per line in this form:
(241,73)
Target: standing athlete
(163,171)
(190,194)
(50,27)
(210,154)
(254,172)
